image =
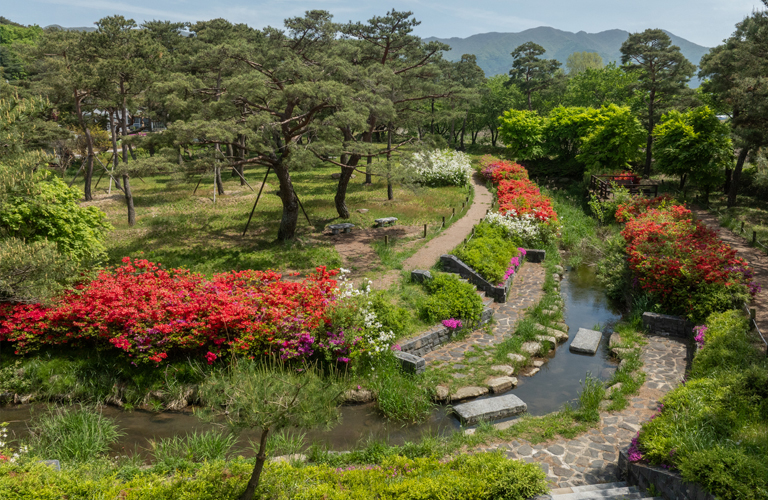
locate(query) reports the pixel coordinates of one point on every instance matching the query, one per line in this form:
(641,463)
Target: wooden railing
(601,185)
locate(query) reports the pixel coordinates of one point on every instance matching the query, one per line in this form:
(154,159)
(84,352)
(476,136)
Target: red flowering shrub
(523,197)
(497,170)
(682,263)
(641,204)
(149,312)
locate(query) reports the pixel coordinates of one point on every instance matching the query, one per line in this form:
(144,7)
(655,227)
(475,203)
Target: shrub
(491,252)
(451,298)
(33,272)
(683,264)
(442,167)
(73,434)
(148,312)
(713,427)
(53,213)
(522,132)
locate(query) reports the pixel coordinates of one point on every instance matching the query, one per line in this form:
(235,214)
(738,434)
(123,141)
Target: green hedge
(483,476)
(489,252)
(714,428)
(451,298)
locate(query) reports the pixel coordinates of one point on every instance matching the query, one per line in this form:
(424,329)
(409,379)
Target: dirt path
(757,259)
(355,247)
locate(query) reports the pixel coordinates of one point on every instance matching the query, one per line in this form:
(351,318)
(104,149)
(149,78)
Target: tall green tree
(662,73)
(736,73)
(578,62)
(695,145)
(530,72)
(599,87)
(522,131)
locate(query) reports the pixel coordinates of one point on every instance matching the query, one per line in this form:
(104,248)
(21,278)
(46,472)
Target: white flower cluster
(525,226)
(376,339)
(442,167)
(3,443)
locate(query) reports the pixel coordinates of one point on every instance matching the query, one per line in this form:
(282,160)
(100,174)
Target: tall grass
(400,396)
(283,442)
(193,447)
(73,434)
(590,397)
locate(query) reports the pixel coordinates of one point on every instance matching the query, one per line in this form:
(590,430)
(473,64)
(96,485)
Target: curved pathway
(592,457)
(428,255)
(757,259)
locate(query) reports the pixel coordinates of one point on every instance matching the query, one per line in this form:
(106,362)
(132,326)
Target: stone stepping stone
(516,358)
(530,347)
(538,363)
(546,338)
(560,335)
(614,340)
(507,370)
(532,372)
(561,326)
(337,228)
(620,352)
(501,384)
(385,221)
(550,312)
(586,341)
(442,392)
(489,409)
(469,392)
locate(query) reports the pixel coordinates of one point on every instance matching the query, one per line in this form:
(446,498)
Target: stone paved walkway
(592,457)
(526,292)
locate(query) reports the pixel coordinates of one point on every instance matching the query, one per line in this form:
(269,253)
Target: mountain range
(493,49)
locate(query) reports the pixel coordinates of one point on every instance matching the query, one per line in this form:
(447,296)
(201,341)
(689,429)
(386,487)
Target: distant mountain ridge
(84,28)
(493,49)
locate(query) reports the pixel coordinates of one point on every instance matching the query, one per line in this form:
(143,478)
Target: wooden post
(425,230)
(742,227)
(257,200)
(453,211)
(462,205)
(752,313)
(443,222)
(386,240)
(754,238)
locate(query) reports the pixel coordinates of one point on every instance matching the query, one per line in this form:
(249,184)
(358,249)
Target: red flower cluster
(523,197)
(149,312)
(497,170)
(675,258)
(640,204)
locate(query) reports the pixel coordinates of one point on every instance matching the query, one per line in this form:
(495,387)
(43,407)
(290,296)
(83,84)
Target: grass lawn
(179,229)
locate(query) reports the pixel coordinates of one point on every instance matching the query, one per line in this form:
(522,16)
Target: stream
(558,382)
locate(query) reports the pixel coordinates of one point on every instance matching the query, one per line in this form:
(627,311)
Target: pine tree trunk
(115,156)
(737,176)
(219,183)
(683,178)
(649,141)
(261,457)
(463,128)
(390,194)
(129,200)
(287,194)
(728,173)
(89,144)
(341,193)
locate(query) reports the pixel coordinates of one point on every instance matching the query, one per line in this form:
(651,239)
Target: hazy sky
(705,22)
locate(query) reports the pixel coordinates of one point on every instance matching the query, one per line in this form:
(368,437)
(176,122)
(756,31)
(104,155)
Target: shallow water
(558,382)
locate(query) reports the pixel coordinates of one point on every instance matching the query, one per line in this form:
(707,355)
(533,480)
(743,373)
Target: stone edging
(669,484)
(439,335)
(666,325)
(453,264)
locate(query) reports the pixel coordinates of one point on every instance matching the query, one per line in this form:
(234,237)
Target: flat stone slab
(501,384)
(469,392)
(489,409)
(530,347)
(531,372)
(586,341)
(516,358)
(505,369)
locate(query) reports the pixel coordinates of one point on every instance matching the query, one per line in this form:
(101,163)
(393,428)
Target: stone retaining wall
(437,336)
(668,484)
(663,324)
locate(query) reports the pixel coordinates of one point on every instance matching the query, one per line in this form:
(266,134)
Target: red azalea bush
(640,204)
(521,197)
(682,263)
(497,170)
(149,312)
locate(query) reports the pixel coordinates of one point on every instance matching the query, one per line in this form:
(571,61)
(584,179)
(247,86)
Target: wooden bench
(336,228)
(385,221)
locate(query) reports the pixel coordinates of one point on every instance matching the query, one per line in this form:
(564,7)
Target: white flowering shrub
(364,332)
(441,167)
(8,454)
(530,230)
